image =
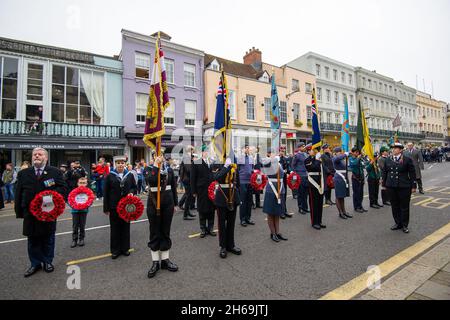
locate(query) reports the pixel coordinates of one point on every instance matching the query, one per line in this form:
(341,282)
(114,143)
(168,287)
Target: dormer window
(265,77)
(215,65)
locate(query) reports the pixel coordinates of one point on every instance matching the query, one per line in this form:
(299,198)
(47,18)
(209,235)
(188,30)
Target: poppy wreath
(79,191)
(212,191)
(36,206)
(130,208)
(258,180)
(330,182)
(294,180)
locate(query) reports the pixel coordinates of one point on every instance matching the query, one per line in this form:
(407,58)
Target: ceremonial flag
(397,122)
(316,139)
(360,128)
(275,124)
(368,147)
(158,101)
(345,133)
(222,124)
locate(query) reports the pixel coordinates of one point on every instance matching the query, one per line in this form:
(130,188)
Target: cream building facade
(431,119)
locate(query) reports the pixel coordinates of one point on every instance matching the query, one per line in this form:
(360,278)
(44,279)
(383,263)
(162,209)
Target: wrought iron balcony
(434,135)
(335,127)
(52,129)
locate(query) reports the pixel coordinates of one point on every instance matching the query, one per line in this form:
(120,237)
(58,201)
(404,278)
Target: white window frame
(136,54)
(172,108)
(190,71)
(247,107)
(172,62)
(139,98)
(186,113)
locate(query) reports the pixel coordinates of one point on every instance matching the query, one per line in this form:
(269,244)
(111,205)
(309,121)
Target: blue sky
(403,39)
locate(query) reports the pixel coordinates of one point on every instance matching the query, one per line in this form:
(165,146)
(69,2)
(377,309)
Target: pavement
(332,263)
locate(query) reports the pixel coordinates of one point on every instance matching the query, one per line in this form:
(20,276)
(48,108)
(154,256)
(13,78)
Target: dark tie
(38,174)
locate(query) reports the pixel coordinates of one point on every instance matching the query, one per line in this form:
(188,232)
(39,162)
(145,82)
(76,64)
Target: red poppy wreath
(294,180)
(54,206)
(258,181)
(212,191)
(130,208)
(81,198)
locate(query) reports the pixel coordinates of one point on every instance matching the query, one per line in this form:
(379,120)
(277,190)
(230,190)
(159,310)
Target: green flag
(360,129)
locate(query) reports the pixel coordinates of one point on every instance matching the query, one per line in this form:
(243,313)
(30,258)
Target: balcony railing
(434,135)
(335,127)
(51,129)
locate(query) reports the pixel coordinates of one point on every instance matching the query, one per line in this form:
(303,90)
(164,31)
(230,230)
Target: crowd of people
(394,171)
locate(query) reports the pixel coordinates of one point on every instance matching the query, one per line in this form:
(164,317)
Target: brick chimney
(253,57)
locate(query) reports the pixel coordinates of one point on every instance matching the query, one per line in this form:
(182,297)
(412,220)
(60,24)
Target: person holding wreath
(118,185)
(41,235)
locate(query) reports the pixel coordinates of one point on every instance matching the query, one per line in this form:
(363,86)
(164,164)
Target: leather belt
(226,186)
(155,189)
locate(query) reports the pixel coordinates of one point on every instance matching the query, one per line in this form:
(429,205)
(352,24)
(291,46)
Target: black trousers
(41,249)
(206,220)
(120,233)
(160,226)
(245,209)
(302,194)
(358,193)
(315,206)
(374,190)
(327,194)
(284,195)
(384,196)
(419,184)
(78,226)
(190,200)
(227,220)
(400,204)
(257,201)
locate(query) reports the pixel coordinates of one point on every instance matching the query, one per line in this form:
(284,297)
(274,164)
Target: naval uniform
(160,224)
(226,205)
(316,189)
(274,205)
(116,187)
(399,178)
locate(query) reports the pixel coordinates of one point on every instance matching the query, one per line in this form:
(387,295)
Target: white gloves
(318,156)
(347,153)
(227,162)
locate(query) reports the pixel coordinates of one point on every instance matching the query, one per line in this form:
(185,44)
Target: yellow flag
(368,148)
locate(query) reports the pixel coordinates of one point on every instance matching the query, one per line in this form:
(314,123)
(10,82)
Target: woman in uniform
(340,179)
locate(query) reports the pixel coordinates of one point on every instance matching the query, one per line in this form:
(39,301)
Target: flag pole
(225,135)
(279,145)
(158,141)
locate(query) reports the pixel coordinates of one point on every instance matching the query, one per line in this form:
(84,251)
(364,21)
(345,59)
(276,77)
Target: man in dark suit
(201,178)
(417,159)
(185,177)
(227,199)
(399,178)
(41,235)
(118,184)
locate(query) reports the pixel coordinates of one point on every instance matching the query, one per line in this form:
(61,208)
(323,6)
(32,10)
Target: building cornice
(145,39)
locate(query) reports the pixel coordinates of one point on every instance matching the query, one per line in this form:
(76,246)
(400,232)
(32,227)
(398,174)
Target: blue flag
(316,139)
(222,124)
(275,124)
(345,133)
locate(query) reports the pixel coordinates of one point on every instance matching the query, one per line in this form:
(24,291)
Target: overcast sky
(402,39)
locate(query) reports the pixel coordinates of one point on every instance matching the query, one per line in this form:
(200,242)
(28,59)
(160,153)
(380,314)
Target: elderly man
(417,159)
(41,235)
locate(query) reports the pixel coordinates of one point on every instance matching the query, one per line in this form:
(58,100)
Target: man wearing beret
(357,168)
(298,165)
(399,179)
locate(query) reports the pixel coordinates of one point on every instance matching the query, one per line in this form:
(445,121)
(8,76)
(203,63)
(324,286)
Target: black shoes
(405,230)
(396,227)
(359,210)
(380,205)
(223,253)
(81,243)
(250,222)
(74,244)
(244,224)
(153,270)
(169,265)
(114,256)
(289,215)
(235,251)
(421,191)
(342,216)
(32,270)
(280,236)
(188,217)
(364,210)
(317,227)
(348,215)
(283,216)
(203,234)
(387,203)
(48,267)
(329,202)
(212,233)
(374,206)
(191,215)
(301,211)
(275,238)
(126,253)
(323,226)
